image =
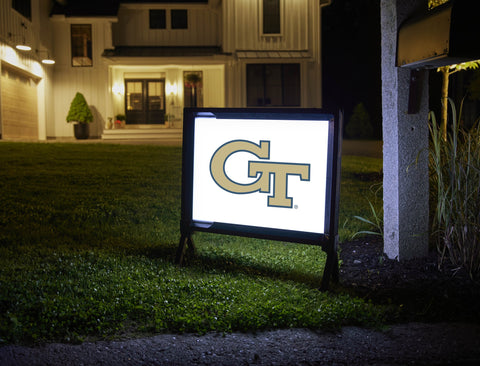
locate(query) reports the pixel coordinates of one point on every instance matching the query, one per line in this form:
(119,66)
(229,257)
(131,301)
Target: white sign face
(264,173)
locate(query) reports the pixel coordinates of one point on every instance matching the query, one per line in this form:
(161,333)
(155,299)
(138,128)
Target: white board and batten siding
(242,26)
(133,28)
(91,81)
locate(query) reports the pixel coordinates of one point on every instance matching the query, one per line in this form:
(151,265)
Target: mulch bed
(425,292)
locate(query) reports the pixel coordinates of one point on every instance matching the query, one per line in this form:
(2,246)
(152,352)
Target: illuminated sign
(266,173)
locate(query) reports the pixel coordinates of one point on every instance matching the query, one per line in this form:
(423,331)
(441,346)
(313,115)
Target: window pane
(156,95)
(24,7)
(192,88)
(255,85)
(271,16)
(157,19)
(291,84)
(179,19)
(81,44)
(273,85)
(134,95)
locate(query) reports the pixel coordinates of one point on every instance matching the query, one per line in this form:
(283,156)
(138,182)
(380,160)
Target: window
(271,17)
(81,45)
(158,19)
(145,101)
(24,7)
(273,85)
(192,89)
(179,19)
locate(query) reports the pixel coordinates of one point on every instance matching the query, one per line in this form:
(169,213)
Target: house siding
(37,34)
(133,28)
(232,26)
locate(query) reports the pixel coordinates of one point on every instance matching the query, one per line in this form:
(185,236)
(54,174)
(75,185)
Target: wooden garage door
(19,105)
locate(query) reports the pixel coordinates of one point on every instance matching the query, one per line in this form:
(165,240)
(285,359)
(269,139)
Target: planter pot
(81,131)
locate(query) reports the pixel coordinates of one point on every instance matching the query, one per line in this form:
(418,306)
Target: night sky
(351,58)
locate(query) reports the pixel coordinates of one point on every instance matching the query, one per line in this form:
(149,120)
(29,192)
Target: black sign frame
(328,240)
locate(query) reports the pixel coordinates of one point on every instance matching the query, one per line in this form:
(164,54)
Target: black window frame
(290,92)
(271,17)
(158,19)
(89,45)
(179,19)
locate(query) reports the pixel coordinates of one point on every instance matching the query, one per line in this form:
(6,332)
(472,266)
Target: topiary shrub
(79,110)
(359,125)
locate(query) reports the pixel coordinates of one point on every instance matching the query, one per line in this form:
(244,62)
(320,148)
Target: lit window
(81,45)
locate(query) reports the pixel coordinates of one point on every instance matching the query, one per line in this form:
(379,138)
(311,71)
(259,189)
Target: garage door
(19,105)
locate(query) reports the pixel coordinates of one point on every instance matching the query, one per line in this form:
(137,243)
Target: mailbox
(446,35)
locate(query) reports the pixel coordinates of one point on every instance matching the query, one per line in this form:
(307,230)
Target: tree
(446,72)
(359,125)
(79,110)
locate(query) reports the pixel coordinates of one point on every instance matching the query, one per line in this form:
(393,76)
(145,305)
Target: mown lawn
(88,234)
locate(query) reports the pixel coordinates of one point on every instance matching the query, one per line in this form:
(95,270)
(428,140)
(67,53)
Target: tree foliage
(446,72)
(434,3)
(359,126)
(79,110)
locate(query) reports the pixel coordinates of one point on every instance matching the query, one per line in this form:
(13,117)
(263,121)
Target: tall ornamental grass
(455,178)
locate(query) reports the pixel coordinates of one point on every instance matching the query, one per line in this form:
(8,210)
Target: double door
(145,101)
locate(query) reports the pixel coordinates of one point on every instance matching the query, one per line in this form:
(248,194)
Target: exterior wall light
(47,60)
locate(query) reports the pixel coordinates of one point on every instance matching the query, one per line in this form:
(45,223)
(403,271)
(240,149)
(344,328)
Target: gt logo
(262,169)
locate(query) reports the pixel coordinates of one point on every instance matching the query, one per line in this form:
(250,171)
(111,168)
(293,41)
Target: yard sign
(264,173)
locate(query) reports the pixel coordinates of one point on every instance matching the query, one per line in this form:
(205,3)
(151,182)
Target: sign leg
(331,271)
(186,242)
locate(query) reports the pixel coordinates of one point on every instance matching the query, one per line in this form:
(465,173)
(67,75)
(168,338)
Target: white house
(149,60)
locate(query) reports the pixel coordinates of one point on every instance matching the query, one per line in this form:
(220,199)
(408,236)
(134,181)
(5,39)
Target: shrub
(455,182)
(359,125)
(79,110)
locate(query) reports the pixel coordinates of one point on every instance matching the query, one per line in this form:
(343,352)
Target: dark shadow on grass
(245,266)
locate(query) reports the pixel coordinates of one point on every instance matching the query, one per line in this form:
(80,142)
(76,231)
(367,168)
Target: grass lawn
(88,234)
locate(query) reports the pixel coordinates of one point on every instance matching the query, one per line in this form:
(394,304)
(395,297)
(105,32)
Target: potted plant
(120,121)
(81,116)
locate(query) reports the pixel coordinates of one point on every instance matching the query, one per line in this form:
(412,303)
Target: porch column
(405,145)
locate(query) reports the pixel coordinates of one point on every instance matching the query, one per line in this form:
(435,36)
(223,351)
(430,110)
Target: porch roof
(274,54)
(159,51)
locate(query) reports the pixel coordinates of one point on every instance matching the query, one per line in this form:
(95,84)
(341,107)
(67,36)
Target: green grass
(88,234)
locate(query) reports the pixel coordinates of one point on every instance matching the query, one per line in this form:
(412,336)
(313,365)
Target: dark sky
(351,57)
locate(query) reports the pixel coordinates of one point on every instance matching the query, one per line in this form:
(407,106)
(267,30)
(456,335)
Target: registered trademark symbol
(295,207)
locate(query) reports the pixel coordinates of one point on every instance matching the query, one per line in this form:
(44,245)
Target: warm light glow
(11,56)
(172,89)
(48,61)
(23,47)
(118,88)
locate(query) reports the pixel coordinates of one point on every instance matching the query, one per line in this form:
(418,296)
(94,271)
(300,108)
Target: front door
(145,101)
